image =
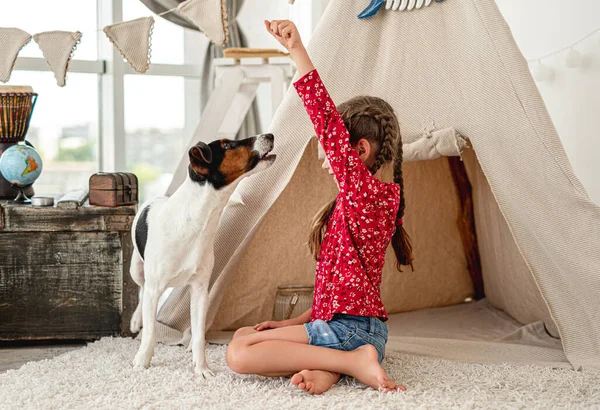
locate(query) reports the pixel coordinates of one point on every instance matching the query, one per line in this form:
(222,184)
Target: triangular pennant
(210,16)
(12,40)
(132,39)
(58,48)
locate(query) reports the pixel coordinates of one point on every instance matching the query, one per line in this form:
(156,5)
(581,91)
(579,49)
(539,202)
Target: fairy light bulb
(543,73)
(573,59)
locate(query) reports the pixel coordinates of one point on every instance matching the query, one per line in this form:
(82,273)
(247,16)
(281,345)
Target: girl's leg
(285,350)
(244,331)
(311,381)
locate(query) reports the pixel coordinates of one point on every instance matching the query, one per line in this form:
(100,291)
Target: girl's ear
(363,147)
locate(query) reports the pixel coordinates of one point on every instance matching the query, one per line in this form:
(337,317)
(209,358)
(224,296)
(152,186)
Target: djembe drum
(16,106)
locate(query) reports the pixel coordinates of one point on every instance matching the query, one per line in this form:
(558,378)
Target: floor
(14,356)
(101,376)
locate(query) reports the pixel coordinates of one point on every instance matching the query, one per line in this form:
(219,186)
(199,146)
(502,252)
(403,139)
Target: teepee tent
(536,234)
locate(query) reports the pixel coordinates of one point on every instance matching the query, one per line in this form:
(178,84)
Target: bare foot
(369,371)
(315,381)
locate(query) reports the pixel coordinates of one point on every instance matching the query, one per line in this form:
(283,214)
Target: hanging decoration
(12,40)
(543,73)
(573,59)
(58,48)
(210,16)
(133,39)
(394,5)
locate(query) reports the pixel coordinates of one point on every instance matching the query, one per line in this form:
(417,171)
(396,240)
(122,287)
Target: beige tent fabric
(440,277)
(133,40)
(277,254)
(478,82)
(58,48)
(475,333)
(509,284)
(210,16)
(12,40)
(434,144)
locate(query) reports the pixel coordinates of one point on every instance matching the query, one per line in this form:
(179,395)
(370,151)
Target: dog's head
(223,162)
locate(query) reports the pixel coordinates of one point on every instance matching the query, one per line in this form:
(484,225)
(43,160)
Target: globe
(20,165)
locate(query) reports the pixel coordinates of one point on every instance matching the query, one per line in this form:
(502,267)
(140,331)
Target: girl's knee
(235,356)
(243,331)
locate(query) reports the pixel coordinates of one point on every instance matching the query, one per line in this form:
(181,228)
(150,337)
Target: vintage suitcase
(113,189)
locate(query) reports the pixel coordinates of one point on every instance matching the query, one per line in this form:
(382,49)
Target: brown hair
(373,119)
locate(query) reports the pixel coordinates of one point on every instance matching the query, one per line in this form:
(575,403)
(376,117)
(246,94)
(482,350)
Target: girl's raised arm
(287,34)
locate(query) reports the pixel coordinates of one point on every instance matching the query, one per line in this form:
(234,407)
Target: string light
(539,59)
(574,59)
(542,73)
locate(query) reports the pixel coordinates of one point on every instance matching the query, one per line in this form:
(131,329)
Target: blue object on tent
(371,9)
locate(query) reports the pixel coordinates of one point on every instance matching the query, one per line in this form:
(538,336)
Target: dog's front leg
(199,308)
(149,306)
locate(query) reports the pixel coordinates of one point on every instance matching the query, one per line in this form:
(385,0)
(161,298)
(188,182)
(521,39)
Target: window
(108,119)
(154,129)
(63,129)
(35,16)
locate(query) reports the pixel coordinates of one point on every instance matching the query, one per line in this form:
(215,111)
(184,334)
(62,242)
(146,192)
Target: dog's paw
(136,324)
(204,372)
(141,361)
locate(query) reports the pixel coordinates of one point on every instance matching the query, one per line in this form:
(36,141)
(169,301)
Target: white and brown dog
(173,237)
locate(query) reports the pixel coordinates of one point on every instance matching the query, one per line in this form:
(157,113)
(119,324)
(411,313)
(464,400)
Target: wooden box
(64,273)
(113,189)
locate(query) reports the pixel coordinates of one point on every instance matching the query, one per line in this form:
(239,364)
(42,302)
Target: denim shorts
(347,332)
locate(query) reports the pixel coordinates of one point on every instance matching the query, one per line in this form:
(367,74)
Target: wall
(573,97)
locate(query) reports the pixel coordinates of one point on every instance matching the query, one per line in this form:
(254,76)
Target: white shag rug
(100,376)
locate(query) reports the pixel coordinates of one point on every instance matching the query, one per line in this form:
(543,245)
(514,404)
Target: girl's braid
(390,135)
(388,132)
(399,179)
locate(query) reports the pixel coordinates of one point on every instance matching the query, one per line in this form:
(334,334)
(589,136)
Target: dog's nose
(270,137)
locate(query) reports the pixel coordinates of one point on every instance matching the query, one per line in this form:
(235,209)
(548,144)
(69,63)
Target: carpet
(100,376)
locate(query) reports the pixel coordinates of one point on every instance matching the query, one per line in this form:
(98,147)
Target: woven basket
(292,301)
(16,107)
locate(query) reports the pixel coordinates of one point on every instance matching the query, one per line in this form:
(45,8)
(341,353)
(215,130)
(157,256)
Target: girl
(343,332)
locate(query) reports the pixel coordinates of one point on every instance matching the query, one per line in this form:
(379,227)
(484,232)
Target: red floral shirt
(349,267)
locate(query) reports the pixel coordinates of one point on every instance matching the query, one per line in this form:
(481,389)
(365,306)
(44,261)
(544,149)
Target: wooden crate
(64,273)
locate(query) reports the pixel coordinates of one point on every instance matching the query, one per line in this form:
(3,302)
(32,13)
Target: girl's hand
(286,33)
(271,324)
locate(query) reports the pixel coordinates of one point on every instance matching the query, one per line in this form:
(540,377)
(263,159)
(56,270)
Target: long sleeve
(350,172)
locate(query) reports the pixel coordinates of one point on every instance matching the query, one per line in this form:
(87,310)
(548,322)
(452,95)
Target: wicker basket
(16,106)
(292,301)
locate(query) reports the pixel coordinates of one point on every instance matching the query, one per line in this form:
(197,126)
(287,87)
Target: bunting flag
(210,16)
(12,40)
(132,39)
(58,48)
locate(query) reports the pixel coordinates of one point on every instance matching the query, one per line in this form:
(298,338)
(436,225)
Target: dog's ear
(201,153)
(200,158)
